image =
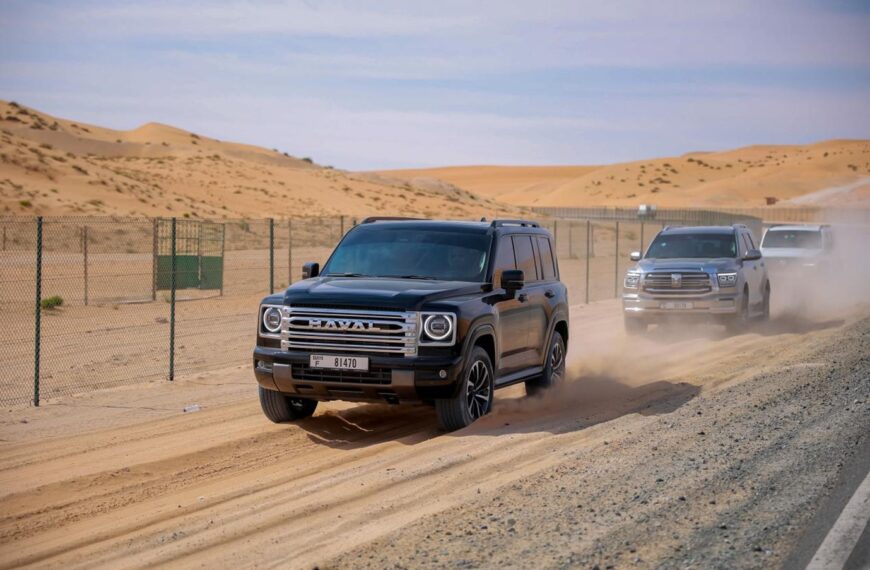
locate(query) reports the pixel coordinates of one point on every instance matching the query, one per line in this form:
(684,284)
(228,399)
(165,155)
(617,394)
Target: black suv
(405,311)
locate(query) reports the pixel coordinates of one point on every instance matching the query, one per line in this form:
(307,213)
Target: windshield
(411,253)
(692,246)
(801,239)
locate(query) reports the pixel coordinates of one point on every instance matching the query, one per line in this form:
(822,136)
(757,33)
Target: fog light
(264,365)
(442,374)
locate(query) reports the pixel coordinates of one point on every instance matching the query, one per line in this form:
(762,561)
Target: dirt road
(685,448)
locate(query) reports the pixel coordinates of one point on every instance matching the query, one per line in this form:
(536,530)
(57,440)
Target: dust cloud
(835,287)
(608,370)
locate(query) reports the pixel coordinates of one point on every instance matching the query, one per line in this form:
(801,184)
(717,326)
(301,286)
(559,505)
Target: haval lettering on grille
(411,311)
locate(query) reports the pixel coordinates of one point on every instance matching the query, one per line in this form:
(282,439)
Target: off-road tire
(635,327)
(280,407)
(554,371)
(474,396)
(738,323)
(765,307)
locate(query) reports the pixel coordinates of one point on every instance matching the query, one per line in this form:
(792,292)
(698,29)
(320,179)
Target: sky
(391,84)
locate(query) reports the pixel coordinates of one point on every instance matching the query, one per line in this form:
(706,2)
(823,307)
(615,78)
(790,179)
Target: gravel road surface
(688,448)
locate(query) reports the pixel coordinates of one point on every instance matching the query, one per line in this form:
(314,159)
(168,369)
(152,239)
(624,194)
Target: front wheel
(737,324)
(635,327)
(554,371)
(474,396)
(280,407)
(765,307)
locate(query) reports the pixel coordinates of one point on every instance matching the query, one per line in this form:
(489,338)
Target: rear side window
(547,264)
(504,258)
(525,256)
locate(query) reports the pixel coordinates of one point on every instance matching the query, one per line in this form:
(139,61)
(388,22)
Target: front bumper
(642,305)
(390,379)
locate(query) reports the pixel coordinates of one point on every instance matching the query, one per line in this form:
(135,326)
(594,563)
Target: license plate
(339,362)
(677,305)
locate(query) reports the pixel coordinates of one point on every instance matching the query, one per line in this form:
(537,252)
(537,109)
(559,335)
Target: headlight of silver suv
(632,279)
(439,329)
(727,279)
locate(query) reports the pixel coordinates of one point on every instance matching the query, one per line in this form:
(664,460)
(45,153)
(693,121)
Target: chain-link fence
(92,302)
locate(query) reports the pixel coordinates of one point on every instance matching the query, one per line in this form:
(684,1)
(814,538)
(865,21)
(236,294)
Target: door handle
(522,297)
(549,294)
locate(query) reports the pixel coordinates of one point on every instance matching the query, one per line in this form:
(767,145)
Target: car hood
(706,265)
(789,252)
(374,292)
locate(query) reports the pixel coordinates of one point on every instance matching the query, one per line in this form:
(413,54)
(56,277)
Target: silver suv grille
(677,282)
(349,330)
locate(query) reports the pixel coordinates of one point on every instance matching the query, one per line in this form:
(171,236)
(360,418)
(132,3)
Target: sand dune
(742,177)
(54,166)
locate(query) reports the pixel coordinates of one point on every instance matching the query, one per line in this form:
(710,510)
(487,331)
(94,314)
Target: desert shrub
(308,160)
(25,203)
(52,302)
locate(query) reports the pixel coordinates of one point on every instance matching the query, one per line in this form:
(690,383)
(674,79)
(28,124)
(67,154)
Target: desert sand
(124,478)
(744,177)
(54,166)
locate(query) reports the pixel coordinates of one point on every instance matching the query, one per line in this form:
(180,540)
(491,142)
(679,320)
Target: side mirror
(635,256)
(512,280)
(752,255)
(310,269)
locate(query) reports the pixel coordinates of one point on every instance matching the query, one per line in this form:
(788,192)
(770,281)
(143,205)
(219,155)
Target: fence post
(616,265)
(4,238)
(271,255)
(172,307)
(154,226)
(570,240)
(223,256)
(341,229)
(289,252)
(85,255)
(37,335)
(588,233)
(641,239)
(556,235)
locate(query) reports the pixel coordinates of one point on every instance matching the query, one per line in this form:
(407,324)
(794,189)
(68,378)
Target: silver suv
(803,248)
(689,272)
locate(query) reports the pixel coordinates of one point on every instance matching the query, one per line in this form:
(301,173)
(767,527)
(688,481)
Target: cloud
(393,83)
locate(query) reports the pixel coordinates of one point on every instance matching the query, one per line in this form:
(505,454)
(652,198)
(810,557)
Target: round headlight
(437,327)
(272,319)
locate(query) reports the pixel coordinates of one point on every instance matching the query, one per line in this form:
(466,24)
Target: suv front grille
(374,375)
(349,330)
(677,282)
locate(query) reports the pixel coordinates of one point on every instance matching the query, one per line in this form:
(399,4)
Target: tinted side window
(504,259)
(547,263)
(525,257)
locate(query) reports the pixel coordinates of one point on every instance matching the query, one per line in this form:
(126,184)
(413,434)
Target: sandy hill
(831,173)
(55,166)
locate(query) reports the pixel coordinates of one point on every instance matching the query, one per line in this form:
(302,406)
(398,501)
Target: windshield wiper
(345,275)
(411,276)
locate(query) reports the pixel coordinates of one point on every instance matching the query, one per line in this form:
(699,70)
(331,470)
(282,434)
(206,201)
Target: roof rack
(372,219)
(521,223)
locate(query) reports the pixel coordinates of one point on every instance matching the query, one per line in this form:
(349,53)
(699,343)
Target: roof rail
(372,219)
(521,223)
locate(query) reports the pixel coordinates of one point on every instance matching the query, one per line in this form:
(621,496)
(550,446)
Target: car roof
(796,228)
(471,227)
(724,230)
(452,225)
